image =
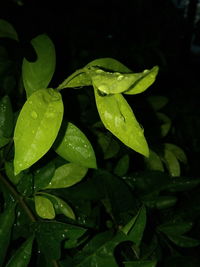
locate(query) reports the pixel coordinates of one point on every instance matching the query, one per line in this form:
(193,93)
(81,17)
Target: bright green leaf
(171,163)
(177,151)
(37,127)
(37,75)
(67,175)
(120,120)
(153,162)
(157,102)
(7,30)
(122,166)
(75,147)
(44,207)
(22,256)
(6,222)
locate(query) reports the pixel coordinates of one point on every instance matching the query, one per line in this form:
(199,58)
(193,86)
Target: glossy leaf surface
(44,207)
(7,30)
(37,127)
(75,147)
(119,119)
(22,256)
(67,175)
(37,75)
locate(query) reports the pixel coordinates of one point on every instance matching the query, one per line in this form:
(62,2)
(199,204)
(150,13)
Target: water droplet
(120,77)
(34,114)
(63,235)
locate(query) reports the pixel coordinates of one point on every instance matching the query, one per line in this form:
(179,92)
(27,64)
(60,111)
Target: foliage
(96,191)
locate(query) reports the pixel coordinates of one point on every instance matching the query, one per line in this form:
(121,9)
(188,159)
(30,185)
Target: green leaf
(6,223)
(7,30)
(122,166)
(37,127)
(165,123)
(140,263)
(22,256)
(177,228)
(135,227)
(144,80)
(43,176)
(182,184)
(9,169)
(51,234)
(6,117)
(184,241)
(25,185)
(75,147)
(157,102)
(171,163)
(177,151)
(44,207)
(67,175)
(109,64)
(60,206)
(37,75)
(163,202)
(153,162)
(119,119)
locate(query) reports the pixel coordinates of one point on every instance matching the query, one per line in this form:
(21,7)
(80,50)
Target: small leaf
(7,219)
(177,151)
(7,30)
(122,166)
(67,175)
(163,202)
(178,228)
(37,127)
(153,162)
(165,123)
(9,168)
(22,256)
(119,119)
(6,117)
(44,207)
(37,75)
(157,102)
(184,241)
(172,163)
(75,147)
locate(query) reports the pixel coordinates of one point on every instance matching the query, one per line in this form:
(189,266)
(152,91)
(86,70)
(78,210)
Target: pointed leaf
(119,119)
(37,127)
(172,163)
(145,79)
(6,222)
(7,30)
(67,175)
(75,147)
(22,256)
(44,207)
(37,75)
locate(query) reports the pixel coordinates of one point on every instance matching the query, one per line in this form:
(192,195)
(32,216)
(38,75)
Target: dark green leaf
(6,117)
(7,30)
(122,166)
(6,223)
(25,185)
(22,256)
(171,163)
(182,184)
(9,168)
(165,123)
(140,263)
(37,75)
(157,102)
(43,176)
(184,241)
(178,228)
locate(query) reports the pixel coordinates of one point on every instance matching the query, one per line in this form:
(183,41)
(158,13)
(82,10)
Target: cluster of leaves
(64,203)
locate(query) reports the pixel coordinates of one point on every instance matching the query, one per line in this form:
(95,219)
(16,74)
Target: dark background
(139,33)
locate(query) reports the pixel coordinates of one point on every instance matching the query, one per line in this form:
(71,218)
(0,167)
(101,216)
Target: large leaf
(44,207)
(120,120)
(22,256)
(37,127)
(75,147)
(6,222)
(7,30)
(67,175)
(37,75)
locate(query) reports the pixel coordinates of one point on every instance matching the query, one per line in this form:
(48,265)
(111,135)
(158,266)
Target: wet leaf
(6,223)
(119,119)
(75,147)
(67,175)
(22,256)
(44,207)
(37,127)
(7,30)
(37,75)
